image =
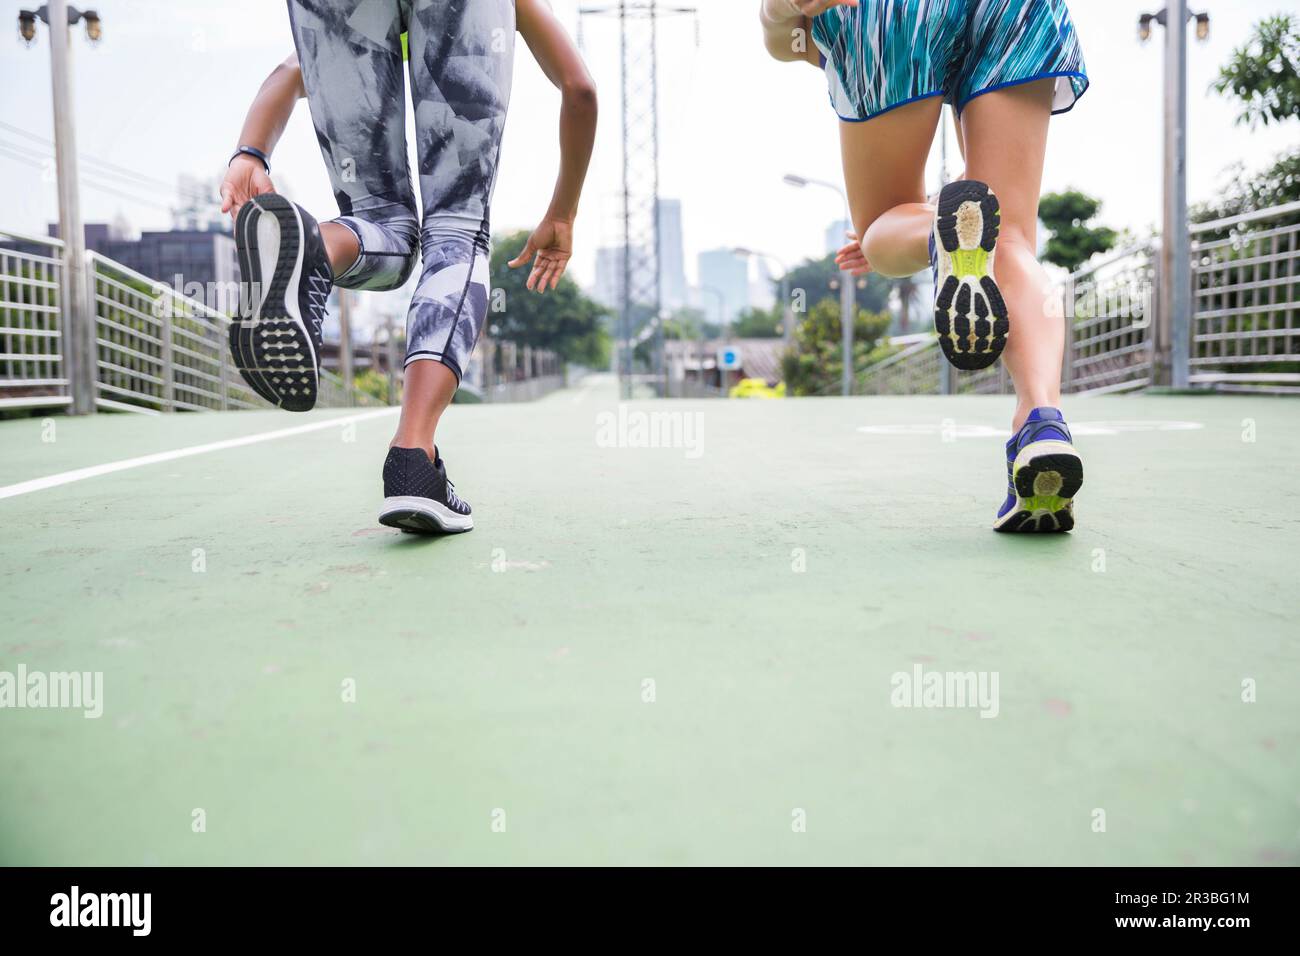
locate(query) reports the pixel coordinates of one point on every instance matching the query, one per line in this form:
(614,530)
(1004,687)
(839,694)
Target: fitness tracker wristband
(256,154)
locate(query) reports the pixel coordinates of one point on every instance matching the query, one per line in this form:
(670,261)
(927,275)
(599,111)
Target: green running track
(657,655)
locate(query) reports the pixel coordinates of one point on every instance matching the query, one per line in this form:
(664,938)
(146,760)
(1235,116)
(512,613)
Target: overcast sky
(166,91)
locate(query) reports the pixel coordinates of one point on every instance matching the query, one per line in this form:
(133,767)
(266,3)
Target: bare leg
(426,393)
(428,387)
(341,246)
(884,170)
(1005,139)
(961,144)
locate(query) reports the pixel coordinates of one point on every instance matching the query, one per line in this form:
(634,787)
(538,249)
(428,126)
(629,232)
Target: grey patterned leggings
(461,61)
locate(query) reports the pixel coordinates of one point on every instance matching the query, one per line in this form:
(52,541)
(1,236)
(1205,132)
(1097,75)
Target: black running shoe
(276,339)
(969,312)
(418,496)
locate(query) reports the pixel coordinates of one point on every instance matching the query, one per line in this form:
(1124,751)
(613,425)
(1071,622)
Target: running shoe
(969,312)
(419,497)
(1044,473)
(276,338)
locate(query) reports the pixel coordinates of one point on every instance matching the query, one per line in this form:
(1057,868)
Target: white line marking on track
(67,477)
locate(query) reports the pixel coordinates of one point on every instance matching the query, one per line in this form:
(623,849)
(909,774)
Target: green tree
(689,322)
(372,382)
(909,302)
(1264,75)
(563,320)
(1245,192)
(815,364)
(817,280)
(754,323)
(1072,240)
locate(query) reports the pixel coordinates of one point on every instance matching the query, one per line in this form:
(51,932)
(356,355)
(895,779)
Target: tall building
(835,235)
(762,290)
(728,273)
(672,257)
(200,205)
(608,288)
(179,258)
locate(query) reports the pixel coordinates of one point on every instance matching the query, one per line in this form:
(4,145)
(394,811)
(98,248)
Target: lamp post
(847,286)
(345,341)
(77,317)
(722,326)
(787,313)
(1172,343)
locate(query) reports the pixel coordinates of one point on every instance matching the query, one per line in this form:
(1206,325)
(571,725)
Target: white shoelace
(318,295)
(452,499)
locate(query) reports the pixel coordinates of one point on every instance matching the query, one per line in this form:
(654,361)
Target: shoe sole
(1046,475)
(970,314)
(272,349)
(423,516)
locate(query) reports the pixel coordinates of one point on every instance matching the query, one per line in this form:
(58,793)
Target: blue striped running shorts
(884,54)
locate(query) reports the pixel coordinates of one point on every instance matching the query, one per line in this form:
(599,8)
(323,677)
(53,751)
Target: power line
(35,163)
(110,169)
(49,144)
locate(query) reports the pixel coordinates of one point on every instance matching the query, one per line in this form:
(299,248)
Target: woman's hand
(851,258)
(804,8)
(552,245)
(245,178)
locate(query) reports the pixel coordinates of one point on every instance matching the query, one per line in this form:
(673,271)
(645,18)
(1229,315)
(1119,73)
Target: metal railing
(1245,321)
(1108,344)
(158,350)
(1109,310)
(1246,301)
(914,370)
(155,350)
(504,371)
(33,371)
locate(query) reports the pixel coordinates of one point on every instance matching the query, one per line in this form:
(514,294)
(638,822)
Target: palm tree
(907,289)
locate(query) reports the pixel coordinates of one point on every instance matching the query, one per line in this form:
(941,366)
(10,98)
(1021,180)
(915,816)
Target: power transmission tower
(638,22)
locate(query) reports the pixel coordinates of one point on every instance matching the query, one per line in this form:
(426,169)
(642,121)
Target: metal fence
(154,349)
(1244,321)
(915,370)
(1246,302)
(1109,311)
(33,371)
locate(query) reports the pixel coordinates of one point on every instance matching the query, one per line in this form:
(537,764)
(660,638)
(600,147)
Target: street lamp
(847,298)
(27,22)
(787,312)
(1172,332)
(1146,19)
(77,322)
